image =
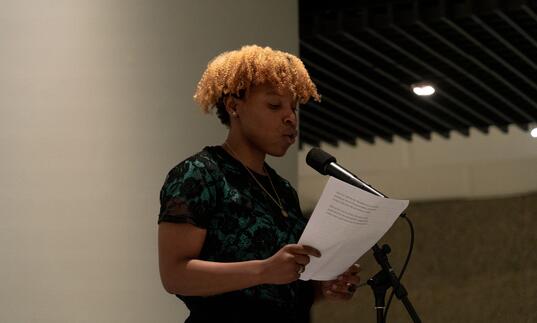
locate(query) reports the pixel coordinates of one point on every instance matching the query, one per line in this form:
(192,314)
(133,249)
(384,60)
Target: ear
(231,103)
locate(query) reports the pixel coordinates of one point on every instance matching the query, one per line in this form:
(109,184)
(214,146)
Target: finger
(302,259)
(354,269)
(350,287)
(353,279)
(305,250)
(343,287)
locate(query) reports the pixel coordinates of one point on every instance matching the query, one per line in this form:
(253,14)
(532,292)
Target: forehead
(269,89)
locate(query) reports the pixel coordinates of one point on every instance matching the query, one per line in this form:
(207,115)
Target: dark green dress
(214,191)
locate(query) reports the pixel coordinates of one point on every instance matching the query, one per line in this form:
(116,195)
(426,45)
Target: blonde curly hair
(234,72)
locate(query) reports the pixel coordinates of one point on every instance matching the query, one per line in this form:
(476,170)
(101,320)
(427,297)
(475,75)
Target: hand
(344,286)
(286,265)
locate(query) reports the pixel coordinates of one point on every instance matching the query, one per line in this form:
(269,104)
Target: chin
(278,152)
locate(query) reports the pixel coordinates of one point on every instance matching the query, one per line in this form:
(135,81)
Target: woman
(228,223)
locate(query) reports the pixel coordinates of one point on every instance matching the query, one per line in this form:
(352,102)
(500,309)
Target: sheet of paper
(345,224)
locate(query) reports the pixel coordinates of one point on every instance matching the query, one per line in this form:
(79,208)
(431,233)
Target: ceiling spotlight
(423,89)
(533,132)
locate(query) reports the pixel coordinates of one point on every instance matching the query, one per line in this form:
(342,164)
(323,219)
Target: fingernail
(334,287)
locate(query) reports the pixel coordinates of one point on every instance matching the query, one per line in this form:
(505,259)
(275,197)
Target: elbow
(169,289)
(182,289)
(175,280)
(171,278)
(175,286)
(172,287)
(170,282)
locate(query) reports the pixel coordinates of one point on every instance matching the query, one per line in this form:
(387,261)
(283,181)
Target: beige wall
(496,164)
(95,108)
(473,261)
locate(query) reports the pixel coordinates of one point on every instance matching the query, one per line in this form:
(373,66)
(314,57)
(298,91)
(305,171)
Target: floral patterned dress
(214,191)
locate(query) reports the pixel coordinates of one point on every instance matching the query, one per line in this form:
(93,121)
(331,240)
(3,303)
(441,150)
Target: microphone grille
(318,159)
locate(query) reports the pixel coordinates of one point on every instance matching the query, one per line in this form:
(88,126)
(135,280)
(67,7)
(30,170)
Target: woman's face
(267,119)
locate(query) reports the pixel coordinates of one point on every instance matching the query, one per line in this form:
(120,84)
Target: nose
(290,118)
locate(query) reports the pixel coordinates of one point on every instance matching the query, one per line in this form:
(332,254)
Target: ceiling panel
(363,56)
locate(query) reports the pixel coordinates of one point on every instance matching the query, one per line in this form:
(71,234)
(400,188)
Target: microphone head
(318,159)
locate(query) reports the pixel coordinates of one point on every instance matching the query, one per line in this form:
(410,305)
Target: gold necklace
(279,202)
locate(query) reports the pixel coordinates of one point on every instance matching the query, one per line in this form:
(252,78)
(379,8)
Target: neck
(248,155)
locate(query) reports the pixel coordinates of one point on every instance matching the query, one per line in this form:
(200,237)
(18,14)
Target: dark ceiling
(364,55)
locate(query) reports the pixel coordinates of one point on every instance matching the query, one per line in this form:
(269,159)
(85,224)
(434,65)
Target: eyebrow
(272,92)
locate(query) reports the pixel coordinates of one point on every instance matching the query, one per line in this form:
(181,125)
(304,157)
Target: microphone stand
(386,277)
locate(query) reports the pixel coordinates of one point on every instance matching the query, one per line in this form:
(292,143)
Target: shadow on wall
(473,261)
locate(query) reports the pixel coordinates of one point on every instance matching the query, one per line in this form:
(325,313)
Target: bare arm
(182,273)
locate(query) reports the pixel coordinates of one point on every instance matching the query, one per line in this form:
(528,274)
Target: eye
(274,106)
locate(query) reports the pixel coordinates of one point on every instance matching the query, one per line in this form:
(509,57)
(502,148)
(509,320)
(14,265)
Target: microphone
(326,164)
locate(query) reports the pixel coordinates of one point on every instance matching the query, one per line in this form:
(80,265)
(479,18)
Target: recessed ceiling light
(423,89)
(533,132)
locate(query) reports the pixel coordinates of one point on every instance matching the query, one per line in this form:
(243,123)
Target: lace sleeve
(188,195)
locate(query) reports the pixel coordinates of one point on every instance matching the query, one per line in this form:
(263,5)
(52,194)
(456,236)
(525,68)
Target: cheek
(263,134)
(258,132)
(262,123)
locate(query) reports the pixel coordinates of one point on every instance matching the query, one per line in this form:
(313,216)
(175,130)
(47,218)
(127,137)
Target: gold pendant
(284,213)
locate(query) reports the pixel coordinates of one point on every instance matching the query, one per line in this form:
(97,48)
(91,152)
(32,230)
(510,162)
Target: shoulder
(190,190)
(201,168)
(203,162)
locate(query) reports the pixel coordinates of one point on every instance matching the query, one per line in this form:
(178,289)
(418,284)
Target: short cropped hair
(234,72)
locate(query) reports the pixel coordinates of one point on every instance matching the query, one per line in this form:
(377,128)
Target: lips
(291,135)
